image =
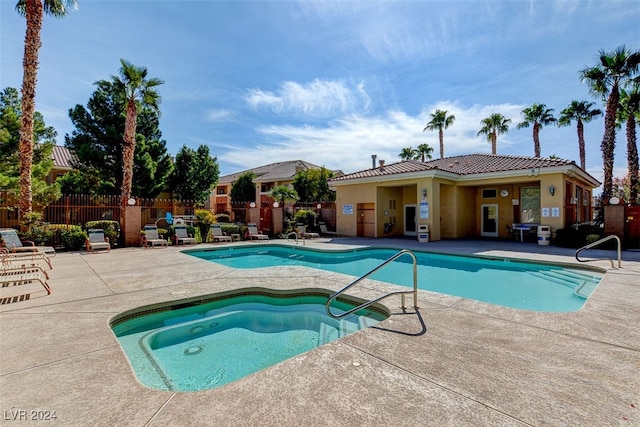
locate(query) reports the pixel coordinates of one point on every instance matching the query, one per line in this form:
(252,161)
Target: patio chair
(24,258)
(183,236)
(151,237)
(252,228)
(22,275)
(12,241)
(218,235)
(302,232)
(323,229)
(97,240)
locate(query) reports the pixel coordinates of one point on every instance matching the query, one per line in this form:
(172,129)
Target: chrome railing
(596,243)
(373,301)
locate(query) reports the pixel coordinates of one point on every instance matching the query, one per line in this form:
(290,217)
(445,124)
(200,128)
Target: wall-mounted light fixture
(552,190)
(424,192)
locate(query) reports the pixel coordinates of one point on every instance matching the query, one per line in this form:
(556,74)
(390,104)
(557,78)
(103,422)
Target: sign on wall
(424,210)
(347,209)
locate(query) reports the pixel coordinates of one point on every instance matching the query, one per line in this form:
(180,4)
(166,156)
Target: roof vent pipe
(381,163)
(373,161)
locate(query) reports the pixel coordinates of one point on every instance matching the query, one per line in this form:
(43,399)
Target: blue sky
(332,82)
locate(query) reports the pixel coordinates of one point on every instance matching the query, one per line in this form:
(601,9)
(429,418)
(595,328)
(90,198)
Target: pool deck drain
(455,362)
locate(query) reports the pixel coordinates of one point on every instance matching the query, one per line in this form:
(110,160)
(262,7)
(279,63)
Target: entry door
(489,221)
(410,228)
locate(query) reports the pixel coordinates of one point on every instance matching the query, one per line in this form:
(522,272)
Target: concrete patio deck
(458,362)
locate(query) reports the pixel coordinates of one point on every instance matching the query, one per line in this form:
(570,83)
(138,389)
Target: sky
(333,82)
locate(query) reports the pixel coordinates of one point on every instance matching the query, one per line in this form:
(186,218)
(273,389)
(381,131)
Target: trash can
(544,235)
(423,233)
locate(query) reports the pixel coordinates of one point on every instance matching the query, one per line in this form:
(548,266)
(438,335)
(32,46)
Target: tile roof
(469,164)
(62,157)
(279,171)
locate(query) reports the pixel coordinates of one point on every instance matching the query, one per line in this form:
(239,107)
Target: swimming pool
(207,342)
(507,282)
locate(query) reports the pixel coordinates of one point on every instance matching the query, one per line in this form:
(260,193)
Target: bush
(38,232)
(306,217)
(222,217)
(73,238)
(204,219)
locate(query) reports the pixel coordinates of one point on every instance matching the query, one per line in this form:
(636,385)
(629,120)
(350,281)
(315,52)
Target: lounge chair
(97,240)
(151,237)
(302,232)
(182,236)
(23,258)
(22,275)
(218,235)
(323,229)
(12,241)
(254,233)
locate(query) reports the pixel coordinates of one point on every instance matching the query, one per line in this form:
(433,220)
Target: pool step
(582,284)
(330,333)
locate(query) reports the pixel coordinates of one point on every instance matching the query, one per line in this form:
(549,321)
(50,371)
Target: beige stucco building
(476,195)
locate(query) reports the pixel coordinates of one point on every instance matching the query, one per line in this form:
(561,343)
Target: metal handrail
(373,301)
(295,235)
(596,243)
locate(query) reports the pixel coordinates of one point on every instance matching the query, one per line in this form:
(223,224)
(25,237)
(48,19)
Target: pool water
(198,346)
(507,282)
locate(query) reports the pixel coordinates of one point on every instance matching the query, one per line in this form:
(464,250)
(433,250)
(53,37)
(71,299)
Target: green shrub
(38,232)
(111,229)
(204,219)
(592,238)
(222,217)
(306,217)
(73,238)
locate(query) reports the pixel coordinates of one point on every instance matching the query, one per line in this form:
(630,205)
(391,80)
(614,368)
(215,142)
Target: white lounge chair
(23,258)
(218,235)
(182,236)
(12,241)
(254,233)
(302,232)
(151,237)
(97,240)
(323,229)
(17,276)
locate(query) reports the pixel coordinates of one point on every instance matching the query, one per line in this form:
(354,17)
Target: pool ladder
(373,301)
(591,245)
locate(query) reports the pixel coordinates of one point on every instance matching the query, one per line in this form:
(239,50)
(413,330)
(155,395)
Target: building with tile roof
(63,159)
(267,177)
(475,195)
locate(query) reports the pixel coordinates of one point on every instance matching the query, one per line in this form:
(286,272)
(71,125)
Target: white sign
(555,212)
(424,210)
(545,212)
(347,209)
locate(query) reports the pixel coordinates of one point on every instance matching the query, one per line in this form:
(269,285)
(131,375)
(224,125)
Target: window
(222,190)
(530,204)
(489,193)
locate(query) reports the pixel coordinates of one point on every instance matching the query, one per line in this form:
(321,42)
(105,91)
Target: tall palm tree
(440,120)
(33,11)
(494,125)
(581,112)
(539,116)
(137,92)
(605,80)
(408,153)
(630,113)
(424,152)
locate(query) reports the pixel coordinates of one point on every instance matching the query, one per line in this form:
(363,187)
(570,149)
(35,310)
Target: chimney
(381,163)
(373,161)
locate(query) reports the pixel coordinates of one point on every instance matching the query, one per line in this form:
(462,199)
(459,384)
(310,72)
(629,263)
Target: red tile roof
(469,164)
(62,157)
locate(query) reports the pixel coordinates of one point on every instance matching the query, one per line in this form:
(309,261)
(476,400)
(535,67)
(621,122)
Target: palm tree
(494,125)
(537,115)
(137,92)
(581,112)
(424,152)
(605,79)
(440,120)
(630,113)
(33,11)
(408,153)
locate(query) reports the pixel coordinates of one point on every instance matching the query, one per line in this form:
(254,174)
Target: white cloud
(347,143)
(218,115)
(318,98)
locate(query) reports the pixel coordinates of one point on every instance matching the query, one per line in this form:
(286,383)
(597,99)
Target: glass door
(410,228)
(489,221)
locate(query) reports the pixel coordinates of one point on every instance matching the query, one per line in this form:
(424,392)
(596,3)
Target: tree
(44,139)
(97,144)
(282,194)
(195,174)
(312,185)
(614,70)
(408,153)
(581,112)
(423,152)
(440,121)
(244,190)
(492,126)
(538,115)
(629,113)
(138,92)
(33,11)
